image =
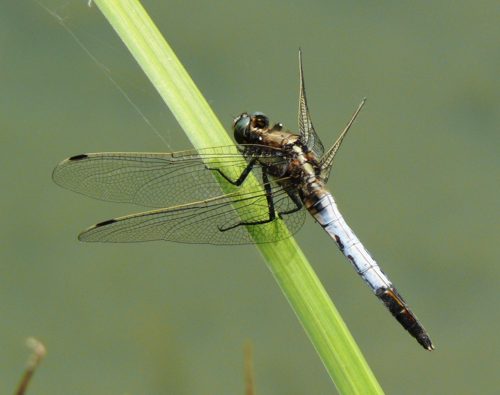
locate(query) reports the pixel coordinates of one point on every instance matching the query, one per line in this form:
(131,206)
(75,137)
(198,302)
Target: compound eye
(241,126)
(259,120)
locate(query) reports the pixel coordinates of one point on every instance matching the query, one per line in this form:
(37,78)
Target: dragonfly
(232,195)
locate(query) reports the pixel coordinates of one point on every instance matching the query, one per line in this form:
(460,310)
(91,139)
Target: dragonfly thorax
(254,129)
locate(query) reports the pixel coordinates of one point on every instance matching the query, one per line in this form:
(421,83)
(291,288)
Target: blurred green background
(417,179)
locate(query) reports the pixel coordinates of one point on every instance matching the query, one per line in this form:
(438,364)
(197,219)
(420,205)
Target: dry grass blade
(38,353)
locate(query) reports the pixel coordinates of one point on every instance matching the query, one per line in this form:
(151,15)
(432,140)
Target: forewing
(307,132)
(151,179)
(204,221)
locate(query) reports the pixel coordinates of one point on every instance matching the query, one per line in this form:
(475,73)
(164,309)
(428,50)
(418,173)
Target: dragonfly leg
(242,176)
(298,204)
(270,205)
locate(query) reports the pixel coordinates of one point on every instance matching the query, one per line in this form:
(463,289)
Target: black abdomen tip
(425,341)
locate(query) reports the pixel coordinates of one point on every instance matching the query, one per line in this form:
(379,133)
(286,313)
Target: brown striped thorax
(300,166)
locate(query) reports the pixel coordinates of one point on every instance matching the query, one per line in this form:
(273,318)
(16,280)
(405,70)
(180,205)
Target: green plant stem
(310,302)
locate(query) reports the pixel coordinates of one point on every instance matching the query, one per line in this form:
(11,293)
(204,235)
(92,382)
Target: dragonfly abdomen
(325,211)
(400,310)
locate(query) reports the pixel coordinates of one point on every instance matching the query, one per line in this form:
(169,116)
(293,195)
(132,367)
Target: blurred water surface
(417,179)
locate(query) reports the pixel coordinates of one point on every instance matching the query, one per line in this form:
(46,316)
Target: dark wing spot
(109,221)
(79,157)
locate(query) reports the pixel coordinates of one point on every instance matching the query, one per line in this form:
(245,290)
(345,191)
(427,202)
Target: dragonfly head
(245,125)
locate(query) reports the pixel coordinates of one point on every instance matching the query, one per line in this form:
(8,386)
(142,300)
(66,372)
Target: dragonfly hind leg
(298,205)
(270,204)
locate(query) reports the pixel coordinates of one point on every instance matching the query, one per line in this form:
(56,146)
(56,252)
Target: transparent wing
(307,132)
(204,221)
(154,179)
(326,162)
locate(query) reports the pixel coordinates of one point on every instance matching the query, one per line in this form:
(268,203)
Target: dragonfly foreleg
(242,176)
(270,205)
